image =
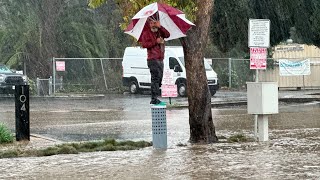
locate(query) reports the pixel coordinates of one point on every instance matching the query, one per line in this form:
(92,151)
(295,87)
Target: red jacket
(148,40)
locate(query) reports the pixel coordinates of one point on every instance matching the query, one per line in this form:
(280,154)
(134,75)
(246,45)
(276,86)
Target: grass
(5,135)
(75,148)
(238,138)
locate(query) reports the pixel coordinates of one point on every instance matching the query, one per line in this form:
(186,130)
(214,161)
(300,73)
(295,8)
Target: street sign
(259,33)
(169,90)
(167,77)
(258,58)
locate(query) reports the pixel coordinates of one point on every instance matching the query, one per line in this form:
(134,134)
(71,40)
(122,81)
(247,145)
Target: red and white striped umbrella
(170,18)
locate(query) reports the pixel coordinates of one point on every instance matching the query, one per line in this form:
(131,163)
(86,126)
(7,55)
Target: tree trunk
(202,129)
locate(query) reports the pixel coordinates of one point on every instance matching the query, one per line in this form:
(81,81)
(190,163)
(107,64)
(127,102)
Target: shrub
(75,148)
(5,134)
(9,154)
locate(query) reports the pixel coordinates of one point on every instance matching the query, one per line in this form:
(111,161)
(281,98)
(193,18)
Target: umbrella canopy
(170,18)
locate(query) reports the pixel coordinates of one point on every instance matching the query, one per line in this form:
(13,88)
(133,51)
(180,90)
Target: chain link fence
(87,75)
(233,73)
(102,75)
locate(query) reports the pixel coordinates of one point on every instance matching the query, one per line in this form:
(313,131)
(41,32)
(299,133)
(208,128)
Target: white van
(136,74)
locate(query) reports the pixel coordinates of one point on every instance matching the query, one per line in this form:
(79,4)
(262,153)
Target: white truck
(8,80)
(136,74)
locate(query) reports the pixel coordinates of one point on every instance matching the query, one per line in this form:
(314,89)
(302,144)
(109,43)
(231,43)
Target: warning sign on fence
(60,66)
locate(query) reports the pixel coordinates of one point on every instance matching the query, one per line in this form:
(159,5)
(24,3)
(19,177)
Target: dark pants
(156,71)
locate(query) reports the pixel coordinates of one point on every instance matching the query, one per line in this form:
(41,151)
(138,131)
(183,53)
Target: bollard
(22,112)
(159,126)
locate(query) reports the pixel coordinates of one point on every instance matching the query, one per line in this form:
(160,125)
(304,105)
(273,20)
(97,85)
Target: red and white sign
(258,58)
(60,66)
(169,90)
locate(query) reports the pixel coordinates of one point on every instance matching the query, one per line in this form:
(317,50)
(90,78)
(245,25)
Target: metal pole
(24,67)
(54,74)
(256,116)
(230,61)
(263,127)
(50,85)
(38,86)
(61,82)
(104,75)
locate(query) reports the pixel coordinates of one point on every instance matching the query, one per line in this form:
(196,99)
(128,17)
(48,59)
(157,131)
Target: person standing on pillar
(153,40)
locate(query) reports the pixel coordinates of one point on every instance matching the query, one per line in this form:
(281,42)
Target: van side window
(173,62)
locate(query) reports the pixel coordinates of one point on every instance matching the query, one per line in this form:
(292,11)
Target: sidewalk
(225,98)
(36,142)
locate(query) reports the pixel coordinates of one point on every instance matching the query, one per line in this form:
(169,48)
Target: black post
(22,112)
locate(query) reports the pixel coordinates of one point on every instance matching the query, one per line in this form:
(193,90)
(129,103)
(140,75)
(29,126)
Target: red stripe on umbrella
(168,9)
(183,26)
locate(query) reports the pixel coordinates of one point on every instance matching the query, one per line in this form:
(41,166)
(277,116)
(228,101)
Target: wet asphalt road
(129,116)
(293,151)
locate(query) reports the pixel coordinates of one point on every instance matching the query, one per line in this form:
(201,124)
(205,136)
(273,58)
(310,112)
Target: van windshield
(182,61)
(206,65)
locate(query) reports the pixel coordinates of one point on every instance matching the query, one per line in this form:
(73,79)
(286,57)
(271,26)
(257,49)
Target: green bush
(9,154)
(5,134)
(238,138)
(32,87)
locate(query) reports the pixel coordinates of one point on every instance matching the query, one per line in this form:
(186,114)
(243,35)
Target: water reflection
(276,159)
(292,152)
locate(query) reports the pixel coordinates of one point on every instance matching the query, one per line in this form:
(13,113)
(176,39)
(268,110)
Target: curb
(45,138)
(242,103)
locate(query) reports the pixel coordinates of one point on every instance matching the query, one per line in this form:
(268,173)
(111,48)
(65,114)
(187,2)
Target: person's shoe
(162,103)
(155,101)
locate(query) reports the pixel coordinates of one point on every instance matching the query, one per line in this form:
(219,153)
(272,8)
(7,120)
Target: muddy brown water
(293,151)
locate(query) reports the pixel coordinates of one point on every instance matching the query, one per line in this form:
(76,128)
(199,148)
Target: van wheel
(213,92)
(134,87)
(182,90)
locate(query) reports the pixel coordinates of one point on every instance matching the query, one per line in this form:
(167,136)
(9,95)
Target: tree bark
(202,129)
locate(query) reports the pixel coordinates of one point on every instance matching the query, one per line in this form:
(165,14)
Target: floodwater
(293,151)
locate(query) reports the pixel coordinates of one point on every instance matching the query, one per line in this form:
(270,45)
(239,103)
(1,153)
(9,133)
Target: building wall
(295,52)
(299,51)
